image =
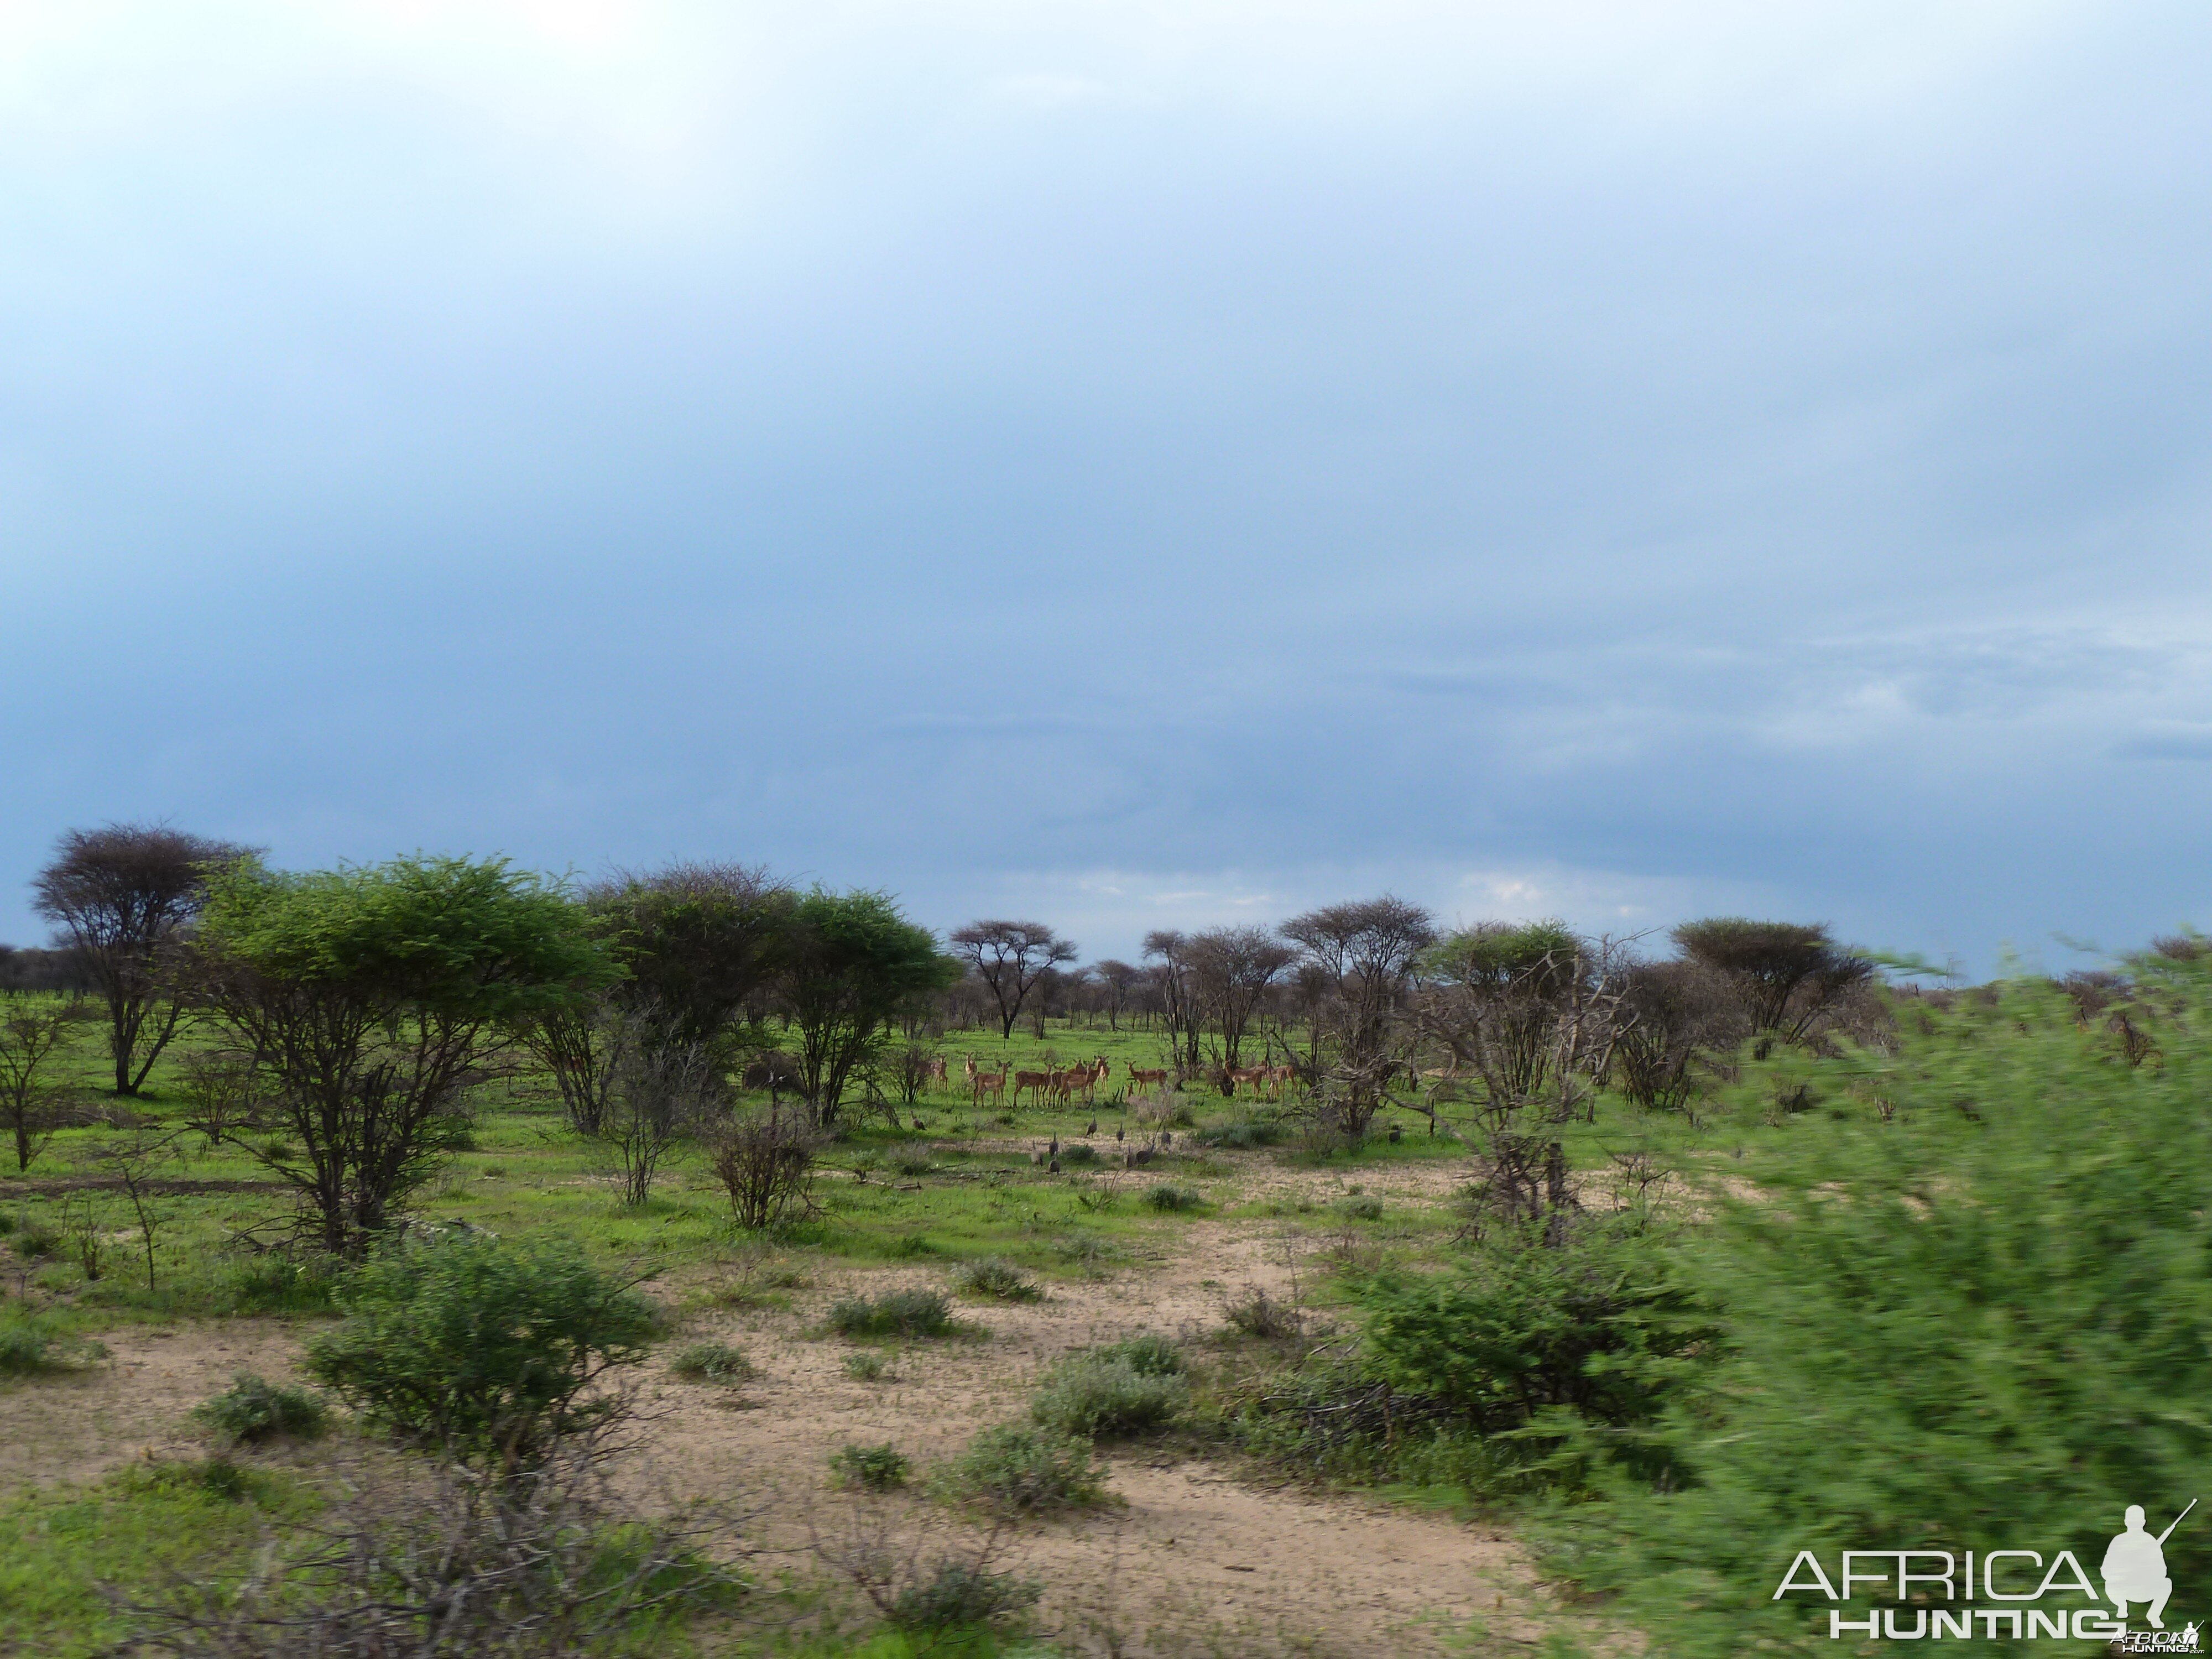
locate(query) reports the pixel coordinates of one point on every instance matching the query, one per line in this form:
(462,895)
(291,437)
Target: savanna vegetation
(1665,1258)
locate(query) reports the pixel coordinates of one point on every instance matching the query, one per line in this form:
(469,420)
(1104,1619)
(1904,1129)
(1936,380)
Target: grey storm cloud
(1133,464)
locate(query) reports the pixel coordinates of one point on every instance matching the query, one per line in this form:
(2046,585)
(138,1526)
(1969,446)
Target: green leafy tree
(371,996)
(854,964)
(486,1352)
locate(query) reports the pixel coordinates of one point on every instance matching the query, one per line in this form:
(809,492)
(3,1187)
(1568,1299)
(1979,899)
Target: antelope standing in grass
(1036,1082)
(991,1083)
(1147,1079)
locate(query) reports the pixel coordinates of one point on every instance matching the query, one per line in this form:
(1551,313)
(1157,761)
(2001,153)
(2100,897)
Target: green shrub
(253,1410)
(1360,1209)
(29,1345)
(34,1240)
(7,1223)
(485,1350)
(1595,1325)
(1078,1152)
(1331,1418)
(912,1162)
(866,1367)
(1975,1300)
(895,1313)
(877,1468)
(908,1248)
(958,1592)
(1146,1355)
(1000,1280)
(1104,1393)
(713,1361)
(1167,1196)
(1014,1470)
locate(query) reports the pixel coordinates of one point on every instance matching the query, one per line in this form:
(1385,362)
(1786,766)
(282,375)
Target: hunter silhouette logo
(2135,1567)
(2003,1595)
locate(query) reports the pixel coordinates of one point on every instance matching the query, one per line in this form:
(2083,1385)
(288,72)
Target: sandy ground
(1196,1559)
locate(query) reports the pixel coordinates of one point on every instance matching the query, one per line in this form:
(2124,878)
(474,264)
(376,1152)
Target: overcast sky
(1129,464)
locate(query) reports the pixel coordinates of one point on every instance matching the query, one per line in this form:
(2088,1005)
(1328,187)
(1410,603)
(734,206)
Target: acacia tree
(121,894)
(1009,957)
(28,1037)
(1230,971)
(854,964)
(1530,1012)
(1365,953)
(1786,975)
(1672,1012)
(1115,980)
(1179,1009)
(372,996)
(698,945)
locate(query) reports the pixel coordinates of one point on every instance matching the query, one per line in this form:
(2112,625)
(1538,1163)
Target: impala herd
(1063,1084)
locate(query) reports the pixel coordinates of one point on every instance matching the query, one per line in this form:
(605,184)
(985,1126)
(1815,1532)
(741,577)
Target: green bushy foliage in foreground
(1972,1310)
(1581,1340)
(1530,1363)
(486,1351)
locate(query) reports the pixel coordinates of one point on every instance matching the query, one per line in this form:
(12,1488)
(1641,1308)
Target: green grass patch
(141,1528)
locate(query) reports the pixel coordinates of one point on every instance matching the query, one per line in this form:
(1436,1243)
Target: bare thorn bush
(765,1161)
(442,1561)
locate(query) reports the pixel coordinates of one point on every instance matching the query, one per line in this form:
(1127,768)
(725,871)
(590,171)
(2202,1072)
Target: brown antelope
(991,1083)
(1147,1079)
(934,1072)
(1278,1078)
(1250,1077)
(1036,1082)
(1080,1079)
